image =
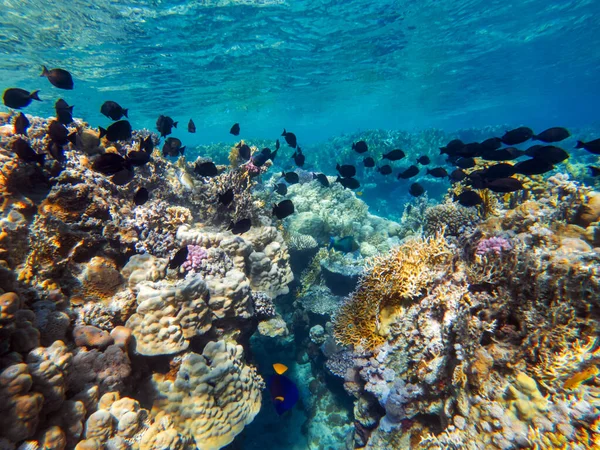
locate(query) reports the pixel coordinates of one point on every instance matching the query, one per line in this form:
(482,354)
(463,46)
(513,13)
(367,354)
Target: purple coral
(196,254)
(495,245)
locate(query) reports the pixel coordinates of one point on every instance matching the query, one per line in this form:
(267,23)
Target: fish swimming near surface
(290,138)
(517,136)
(226,197)
(369,162)
(20,124)
(179,258)
(457,175)
(291,177)
(348,183)
(172,147)
(590,146)
(64,112)
(299,157)
(409,173)
(452,147)
(58,133)
(548,153)
(24,151)
(491,144)
(465,163)
(533,166)
(346,244)
(118,131)
(322,179)
(58,77)
(594,171)
(206,169)
(165,125)
(424,160)
(284,392)
(469,199)
(416,190)
(346,170)
(283,209)
(360,147)
(438,172)
(385,170)
(235,129)
(141,196)
(554,134)
(113,110)
(240,227)
(191,126)
(19,98)
(394,155)
(109,163)
(281,188)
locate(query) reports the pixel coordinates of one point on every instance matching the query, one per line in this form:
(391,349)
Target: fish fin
(280,369)
(72,137)
(175,124)
(44,71)
(102,132)
(182,149)
(34,95)
(595,171)
(579,144)
(125,113)
(279,399)
(353,146)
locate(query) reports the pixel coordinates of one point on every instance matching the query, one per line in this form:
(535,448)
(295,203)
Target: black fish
(24,151)
(240,227)
(590,146)
(517,136)
(226,197)
(56,151)
(141,196)
(594,171)
(394,155)
(283,209)
(191,126)
(348,183)
(291,177)
(277,145)
(118,131)
(235,129)
(416,190)
(244,151)
(58,133)
(206,169)
(164,125)
(470,150)
(147,144)
(438,172)
(19,98)
(346,170)
(20,124)
(369,162)
(299,157)
(554,134)
(502,170)
(172,147)
(138,158)
(548,153)
(290,138)
(505,154)
(122,177)
(533,166)
(408,173)
(505,185)
(452,147)
(64,112)
(457,175)
(113,110)
(109,163)
(465,163)
(469,199)
(179,258)
(491,144)
(260,158)
(423,160)
(385,170)
(321,178)
(360,147)
(58,77)
(281,188)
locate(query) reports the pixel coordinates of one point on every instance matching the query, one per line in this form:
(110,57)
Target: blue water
(318,67)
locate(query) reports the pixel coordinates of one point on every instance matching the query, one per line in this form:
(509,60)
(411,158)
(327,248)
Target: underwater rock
(340,278)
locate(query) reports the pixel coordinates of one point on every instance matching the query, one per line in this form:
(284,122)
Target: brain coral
(213,396)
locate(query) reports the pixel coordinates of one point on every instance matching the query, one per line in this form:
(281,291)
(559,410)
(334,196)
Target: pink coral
(495,245)
(196,254)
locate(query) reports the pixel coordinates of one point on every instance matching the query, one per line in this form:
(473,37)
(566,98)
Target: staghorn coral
(213,396)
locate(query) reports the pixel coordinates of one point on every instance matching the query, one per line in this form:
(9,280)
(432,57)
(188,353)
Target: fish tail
(182,149)
(283,174)
(34,95)
(175,124)
(72,137)
(102,132)
(580,144)
(70,108)
(595,171)
(353,146)
(125,112)
(284,132)
(44,72)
